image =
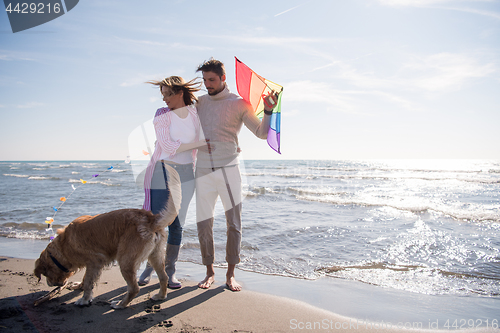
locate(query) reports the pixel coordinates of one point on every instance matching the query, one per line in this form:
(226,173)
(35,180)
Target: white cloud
(347,101)
(365,79)
(370,90)
(495,15)
(446,71)
(436,73)
(318,92)
(441,4)
(385,96)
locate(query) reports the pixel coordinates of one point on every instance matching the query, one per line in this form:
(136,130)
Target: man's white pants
(224,183)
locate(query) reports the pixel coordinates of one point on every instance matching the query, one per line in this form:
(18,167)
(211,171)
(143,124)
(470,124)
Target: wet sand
(188,309)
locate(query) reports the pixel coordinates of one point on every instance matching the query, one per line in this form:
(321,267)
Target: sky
(363,79)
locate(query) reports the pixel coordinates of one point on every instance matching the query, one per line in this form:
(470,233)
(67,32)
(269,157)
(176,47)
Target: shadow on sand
(60,314)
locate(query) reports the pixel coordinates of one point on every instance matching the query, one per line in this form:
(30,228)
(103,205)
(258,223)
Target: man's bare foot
(207,282)
(232,284)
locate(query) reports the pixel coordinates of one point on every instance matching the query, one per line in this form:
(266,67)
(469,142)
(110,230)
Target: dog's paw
(116,305)
(158,297)
(83,302)
(74,286)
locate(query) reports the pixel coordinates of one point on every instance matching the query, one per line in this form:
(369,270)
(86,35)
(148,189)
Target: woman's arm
(189,146)
(163,139)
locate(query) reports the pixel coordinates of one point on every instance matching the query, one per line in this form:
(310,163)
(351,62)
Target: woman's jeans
(160,194)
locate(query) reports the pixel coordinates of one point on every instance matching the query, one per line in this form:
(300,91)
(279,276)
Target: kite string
(49,220)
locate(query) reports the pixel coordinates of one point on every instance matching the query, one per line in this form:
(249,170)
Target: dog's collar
(58,264)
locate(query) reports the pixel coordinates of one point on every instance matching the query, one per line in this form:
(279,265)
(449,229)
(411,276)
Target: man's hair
(212,65)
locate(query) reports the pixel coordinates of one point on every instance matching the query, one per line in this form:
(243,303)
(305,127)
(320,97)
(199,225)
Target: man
(222,115)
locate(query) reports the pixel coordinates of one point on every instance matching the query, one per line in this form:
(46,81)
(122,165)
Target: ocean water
(423,226)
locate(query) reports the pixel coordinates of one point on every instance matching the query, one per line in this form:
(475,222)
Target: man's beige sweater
(221,118)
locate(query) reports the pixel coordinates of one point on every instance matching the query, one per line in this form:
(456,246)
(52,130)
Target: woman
(178,134)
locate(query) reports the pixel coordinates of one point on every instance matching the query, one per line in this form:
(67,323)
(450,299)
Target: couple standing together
(204,131)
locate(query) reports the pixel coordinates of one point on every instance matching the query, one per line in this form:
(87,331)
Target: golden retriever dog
(128,236)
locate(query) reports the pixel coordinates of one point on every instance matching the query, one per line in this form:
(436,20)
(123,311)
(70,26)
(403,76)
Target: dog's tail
(171,210)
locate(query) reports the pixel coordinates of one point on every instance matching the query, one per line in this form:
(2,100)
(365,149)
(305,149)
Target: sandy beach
(188,309)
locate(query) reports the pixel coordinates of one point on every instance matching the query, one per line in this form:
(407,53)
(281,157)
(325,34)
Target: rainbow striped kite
(251,87)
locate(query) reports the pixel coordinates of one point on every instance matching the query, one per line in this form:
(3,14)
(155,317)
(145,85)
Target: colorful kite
(251,87)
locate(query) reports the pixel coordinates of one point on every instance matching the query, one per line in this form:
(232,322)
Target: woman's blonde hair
(177,84)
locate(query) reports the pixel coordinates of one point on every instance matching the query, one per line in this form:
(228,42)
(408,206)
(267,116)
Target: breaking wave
(418,279)
(412,204)
(27,230)
(14,175)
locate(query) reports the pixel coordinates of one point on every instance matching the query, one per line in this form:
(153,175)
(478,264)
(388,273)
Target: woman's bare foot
(207,282)
(232,284)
